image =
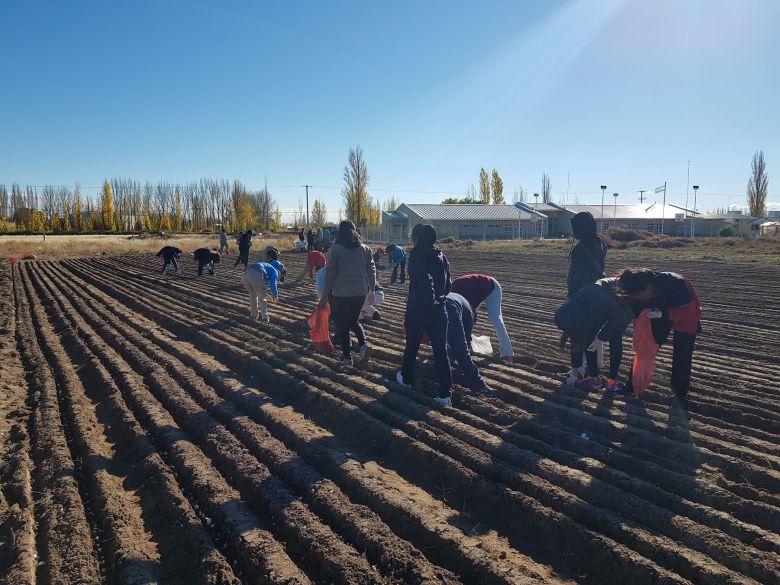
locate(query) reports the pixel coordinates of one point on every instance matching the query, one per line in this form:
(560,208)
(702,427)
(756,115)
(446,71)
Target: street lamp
(601,221)
(536,207)
(693,220)
(614,215)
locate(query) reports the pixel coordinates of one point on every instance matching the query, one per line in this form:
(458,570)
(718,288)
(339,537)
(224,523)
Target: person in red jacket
(479,288)
(674,305)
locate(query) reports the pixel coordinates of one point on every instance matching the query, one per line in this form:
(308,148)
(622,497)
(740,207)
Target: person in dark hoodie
(350,277)
(206,258)
(244,243)
(429,283)
(169,254)
(460,322)
(586,266)
(674,304)
(595,313)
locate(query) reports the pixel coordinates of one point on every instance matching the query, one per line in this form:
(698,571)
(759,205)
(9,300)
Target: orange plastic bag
(320,329)
(29,256)
(645,350)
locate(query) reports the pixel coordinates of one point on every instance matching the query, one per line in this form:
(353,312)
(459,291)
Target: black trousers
(394,275)
(208,264)
(345,311)
(169,260)
(592,361)
(459,327)
(432,320)
(243,257)
(682,354)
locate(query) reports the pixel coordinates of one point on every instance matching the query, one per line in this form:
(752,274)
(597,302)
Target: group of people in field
(443,310)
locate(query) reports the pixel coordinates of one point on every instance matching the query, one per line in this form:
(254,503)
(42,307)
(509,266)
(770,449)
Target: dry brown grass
(90,245)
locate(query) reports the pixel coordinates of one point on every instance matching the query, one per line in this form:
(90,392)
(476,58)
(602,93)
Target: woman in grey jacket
(351,276)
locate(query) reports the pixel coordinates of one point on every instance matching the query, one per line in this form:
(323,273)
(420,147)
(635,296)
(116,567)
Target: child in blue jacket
(255,278)
(397,258)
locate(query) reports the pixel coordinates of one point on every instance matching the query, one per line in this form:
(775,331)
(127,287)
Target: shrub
(727,231)
(447,240)
(617,234)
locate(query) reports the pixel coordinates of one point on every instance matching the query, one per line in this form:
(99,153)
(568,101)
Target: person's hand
(594,345)
(508,358)
(655,314)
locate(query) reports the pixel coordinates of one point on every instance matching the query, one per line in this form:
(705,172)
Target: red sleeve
(685,318)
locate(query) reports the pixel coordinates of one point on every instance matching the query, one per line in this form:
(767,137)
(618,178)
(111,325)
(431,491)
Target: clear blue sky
(615,92)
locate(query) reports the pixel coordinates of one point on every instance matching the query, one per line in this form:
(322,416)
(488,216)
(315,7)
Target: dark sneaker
(365,353)
(613,386)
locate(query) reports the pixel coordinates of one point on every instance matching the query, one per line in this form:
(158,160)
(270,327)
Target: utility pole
(642,196)
(307,206)
(601,220)
(687,183)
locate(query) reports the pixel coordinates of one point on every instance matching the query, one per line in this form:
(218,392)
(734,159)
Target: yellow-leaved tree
(107,208)
(498,188)
(484,186)
(319,213)
(165,222)
(177,211)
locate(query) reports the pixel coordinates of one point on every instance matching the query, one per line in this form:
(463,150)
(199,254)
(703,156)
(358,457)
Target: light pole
(601,221)
(693,220)
(614,214)
(536,207)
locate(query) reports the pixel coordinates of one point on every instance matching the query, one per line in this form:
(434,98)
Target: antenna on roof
(642,196)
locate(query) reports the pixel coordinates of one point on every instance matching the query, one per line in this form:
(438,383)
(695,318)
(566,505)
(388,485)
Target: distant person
(244,243)
(674,304)
(223,242)
(301,236)
(396,256)
(350,277)
(595,313)
(460,322)
(170,255)
(255,278)
(309,240)
(319,239)
(429,282)
(479,288)
(206,259)
(586,266)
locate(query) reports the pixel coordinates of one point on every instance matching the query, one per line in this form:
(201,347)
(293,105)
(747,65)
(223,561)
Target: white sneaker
(365,353)
(399,377)
(446,401)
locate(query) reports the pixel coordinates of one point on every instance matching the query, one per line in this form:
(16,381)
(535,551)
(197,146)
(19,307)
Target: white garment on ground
(372,300)
(493,306)
(254,282)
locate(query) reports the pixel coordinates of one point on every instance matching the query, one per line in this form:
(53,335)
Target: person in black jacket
(206,258)
(586,266)
(429,282)
(169,254)
(243,248)
(309,240)
(596,313)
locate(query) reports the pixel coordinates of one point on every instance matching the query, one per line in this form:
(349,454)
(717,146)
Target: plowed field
(151,432)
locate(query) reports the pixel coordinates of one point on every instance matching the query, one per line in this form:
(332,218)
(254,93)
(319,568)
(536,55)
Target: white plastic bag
(480,344)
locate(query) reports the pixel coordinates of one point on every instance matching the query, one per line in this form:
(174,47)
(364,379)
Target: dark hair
(348,235)
(272,254)
(425,234)
(583,226)
(248,232)
(390,247)
(634,280)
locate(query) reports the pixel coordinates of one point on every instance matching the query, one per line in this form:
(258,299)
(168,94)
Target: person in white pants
(479,288)
(255,278)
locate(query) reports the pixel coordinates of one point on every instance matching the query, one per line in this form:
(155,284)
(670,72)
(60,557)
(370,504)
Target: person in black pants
(206,258)
(350,276)
(309,240)
(169,254)
(429,282)
(674,304)
(460,322)
(243,248)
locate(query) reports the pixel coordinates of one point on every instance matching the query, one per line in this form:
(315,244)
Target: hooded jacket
(204,255)
(677,299)
(429,278)
(397,255)
(245,241)
(168,252)
(586,259)
(270,273)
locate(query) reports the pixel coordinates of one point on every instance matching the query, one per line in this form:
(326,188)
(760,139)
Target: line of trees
(128,205)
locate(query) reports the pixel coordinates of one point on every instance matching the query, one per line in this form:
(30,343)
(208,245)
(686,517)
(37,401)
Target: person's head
(636,283)
(216,257)
(222,230)
(348,235)
(583,225)
(390,248)
(248,233)
(317,260)
(423,235)
(272,254)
